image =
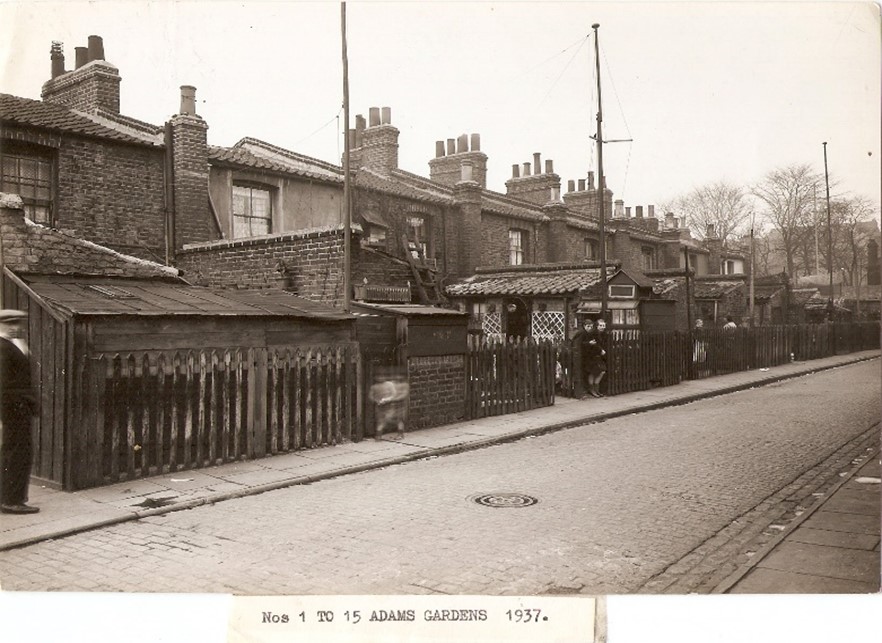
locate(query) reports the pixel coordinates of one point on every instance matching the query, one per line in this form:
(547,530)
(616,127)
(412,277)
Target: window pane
(240,200)
(260,203)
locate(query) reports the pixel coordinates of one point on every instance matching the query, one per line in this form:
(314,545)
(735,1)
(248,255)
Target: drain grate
(505,500)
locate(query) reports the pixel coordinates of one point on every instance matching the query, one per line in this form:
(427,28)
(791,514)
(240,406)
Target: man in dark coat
(17,406)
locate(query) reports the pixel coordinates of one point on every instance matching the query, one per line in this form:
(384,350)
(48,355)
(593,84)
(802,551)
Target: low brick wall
(437,390)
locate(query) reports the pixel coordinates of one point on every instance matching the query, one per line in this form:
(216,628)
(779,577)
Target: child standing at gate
(390,395)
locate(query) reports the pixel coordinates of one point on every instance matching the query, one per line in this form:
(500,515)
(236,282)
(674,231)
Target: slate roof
(526,282)
(106,296)
(57,118)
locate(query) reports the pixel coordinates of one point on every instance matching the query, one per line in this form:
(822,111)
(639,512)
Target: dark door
(517,318)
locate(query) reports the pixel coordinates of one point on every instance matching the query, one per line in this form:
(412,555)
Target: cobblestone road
(629,505)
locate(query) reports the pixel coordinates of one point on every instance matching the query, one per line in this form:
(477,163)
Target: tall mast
(600,208)
(347,198)
(829,236)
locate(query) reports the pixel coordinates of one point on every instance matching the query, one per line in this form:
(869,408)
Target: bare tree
(786,195)
(725,206)
(853,224)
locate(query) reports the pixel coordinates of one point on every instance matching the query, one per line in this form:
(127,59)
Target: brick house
(81,166)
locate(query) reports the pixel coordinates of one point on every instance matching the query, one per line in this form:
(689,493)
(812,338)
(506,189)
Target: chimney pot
(571,186)
(711,232)
(374,116)
(537,164)
(96,48)
(82,56)
(590,180)
(619,209)
(439,149)
(555,193)
(386,116)
(188,100)
(515,171)
(650,210)
(56,55)
(451,146)
(549,166)
(639,210)
(581,185)
(527,168)
(669,219)
(628,212)
(360,122)
(476,142)
(462,143)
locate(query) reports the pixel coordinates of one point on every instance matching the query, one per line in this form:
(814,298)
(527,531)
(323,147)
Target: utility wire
(308,136)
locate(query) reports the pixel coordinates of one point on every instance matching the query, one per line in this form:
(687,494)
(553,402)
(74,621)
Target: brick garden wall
(437,390)
(309,263)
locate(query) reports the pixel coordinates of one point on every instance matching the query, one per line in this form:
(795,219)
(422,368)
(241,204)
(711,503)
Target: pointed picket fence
(151,413)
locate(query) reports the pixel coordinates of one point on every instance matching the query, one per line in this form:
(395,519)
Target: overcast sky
(707,91)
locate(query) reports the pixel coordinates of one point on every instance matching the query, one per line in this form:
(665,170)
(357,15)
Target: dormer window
(252,211)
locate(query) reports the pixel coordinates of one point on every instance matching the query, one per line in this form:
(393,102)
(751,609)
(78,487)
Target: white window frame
(247,218)
(621,296)
(516,246)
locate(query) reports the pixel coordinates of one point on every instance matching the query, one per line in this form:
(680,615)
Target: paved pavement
(839,526)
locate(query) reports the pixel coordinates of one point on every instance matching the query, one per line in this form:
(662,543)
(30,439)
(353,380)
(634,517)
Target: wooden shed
(143,377)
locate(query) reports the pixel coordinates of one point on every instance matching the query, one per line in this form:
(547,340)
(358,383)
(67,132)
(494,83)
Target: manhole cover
(501,500)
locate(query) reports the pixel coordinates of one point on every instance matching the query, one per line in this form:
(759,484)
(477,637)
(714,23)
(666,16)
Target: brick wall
(437,390)
(92,87)
(379,151)
(308,262)
(194,222)
(112,195)
(32,248)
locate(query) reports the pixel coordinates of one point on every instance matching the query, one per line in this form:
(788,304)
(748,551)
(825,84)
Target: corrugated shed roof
(103,296)
(538,282)
(408,309)
(35,113)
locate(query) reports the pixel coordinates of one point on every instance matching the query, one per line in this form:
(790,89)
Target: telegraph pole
(829,236)
(347,197)
(600,208)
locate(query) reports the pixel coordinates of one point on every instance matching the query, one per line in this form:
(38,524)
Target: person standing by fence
(18,404)
(591,357)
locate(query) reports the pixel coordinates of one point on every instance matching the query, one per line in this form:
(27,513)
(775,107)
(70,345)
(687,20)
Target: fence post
(259,401)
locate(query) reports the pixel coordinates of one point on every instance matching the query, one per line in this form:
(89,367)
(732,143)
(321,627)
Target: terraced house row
(257,215)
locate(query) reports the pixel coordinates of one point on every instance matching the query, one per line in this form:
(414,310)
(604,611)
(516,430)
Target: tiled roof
(247,154)
(34,113)
(103,296)
(714,289)
(498,204)
(420,182)
(666,286)
(370,180)
(526,282)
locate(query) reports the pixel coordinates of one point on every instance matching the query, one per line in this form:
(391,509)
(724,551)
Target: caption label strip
(481,619)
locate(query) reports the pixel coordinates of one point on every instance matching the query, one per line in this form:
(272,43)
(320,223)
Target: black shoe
(19,509)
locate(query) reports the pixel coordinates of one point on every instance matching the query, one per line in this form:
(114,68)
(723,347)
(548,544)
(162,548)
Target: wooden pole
(829,236)
(347,199)
(600,209)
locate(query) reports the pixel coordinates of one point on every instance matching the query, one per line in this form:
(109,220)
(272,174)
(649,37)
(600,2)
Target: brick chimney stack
(534,184)
(583,200)
(91,87)
(445,167)
(377,144)
(188,139)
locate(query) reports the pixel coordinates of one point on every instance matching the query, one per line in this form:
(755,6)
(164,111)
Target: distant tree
(727,207)
(853,223)
(786,196)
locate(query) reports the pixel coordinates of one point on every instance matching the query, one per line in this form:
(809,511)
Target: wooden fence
(642,360)
(149,413)
(508,376)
